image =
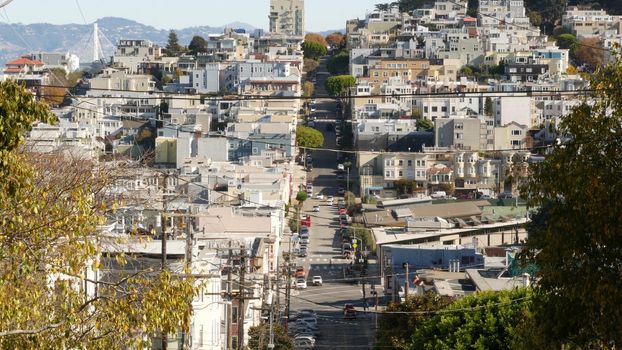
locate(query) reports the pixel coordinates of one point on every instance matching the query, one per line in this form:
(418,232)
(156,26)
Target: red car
(306,221)
(300,272)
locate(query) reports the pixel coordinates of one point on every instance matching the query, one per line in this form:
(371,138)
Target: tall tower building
(287,17)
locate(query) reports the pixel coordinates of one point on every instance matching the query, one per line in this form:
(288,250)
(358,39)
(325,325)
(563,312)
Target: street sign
(354,245)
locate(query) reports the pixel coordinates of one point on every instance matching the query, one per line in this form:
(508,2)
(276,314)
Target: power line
(240,97)
(81,12)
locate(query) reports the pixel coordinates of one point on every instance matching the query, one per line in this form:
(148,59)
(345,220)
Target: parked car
(505,195)
(317,280)
(300,272)
(330,200)
(319,196)
(301,283)
(438,194)
(316,208)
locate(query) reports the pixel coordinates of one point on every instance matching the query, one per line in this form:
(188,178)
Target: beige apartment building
(287,17)
(585,23)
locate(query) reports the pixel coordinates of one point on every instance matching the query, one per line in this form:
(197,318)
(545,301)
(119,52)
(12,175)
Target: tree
(411,5)
(336,40)
(307,137)
(425,125)
(577,246)
(382,7)
(472,8)
(317,38)
(485,320)
(313,50)
(308,89)
(197,45)
(310,66)
(340,63)
(260,336)
(550,11)
(172,47)
(396,329)
(488,106)
(534,18)
(339,85)
(567,41)
(50,207)
(301,196)
(589,52)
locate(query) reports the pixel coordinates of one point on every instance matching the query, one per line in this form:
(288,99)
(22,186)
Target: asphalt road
(324,253)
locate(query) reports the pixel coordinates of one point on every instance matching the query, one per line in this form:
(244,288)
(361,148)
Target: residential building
(287,17)
(512,136)
(119,79)
(132,53)
(65,61)
(464,133)
(24,70)
(585,22)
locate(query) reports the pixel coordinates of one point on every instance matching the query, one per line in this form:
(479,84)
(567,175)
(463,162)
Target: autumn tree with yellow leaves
(50,207)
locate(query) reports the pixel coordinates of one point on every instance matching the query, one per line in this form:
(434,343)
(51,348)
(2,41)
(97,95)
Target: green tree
(577,247)
(172,47)
(488,106)
(50,207)
(301,197)
(307,137)
(260,336)
(425,125)
(411,5)
(395,329)
(382,7)
(472,8)
(486,320)
(197,45)
(567,41)
(534,18)
(339,64)
(313,50)
(550,11)
(339,85)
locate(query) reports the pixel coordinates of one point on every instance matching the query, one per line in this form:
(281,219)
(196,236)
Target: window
(516,132)
(434,109)
(234,314)
(516,142)
(400,173)
(400,162)
(410,162)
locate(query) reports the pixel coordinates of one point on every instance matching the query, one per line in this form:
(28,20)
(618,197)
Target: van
(439,194)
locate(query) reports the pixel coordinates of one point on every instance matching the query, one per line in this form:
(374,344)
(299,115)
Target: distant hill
(19,39)
(328,32)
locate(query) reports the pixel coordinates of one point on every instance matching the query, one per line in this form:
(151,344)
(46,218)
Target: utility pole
(229,313)
(364,295)
(164,335)
(406,283)
(185,340)
(241,291)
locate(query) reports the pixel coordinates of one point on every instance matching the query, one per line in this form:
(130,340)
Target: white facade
(287,17)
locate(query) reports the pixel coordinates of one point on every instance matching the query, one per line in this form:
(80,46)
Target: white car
(319,196)
(301,283)
(340,167)
(316,208)
(330,200)
(317,280)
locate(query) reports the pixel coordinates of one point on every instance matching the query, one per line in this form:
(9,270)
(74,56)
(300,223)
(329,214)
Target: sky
(321,15)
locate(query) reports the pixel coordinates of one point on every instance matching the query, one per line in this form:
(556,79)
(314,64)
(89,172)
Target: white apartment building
(117,79)
(287,17)
(587,23)
(132,53)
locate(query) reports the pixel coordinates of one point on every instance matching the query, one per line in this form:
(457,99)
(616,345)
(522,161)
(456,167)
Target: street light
(347,165)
